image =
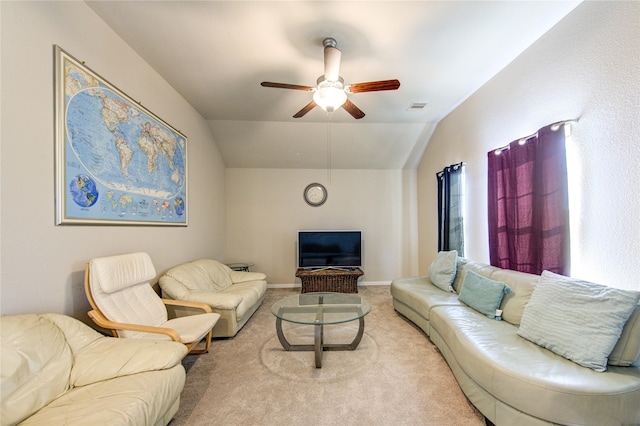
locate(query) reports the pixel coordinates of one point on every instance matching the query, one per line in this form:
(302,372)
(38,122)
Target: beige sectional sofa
(58,371)
(235,295)
(511,379)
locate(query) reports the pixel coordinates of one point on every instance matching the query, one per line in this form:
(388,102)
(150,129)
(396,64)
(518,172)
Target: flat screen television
(329,249)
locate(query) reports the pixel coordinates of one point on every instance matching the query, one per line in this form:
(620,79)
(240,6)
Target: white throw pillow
(576,319)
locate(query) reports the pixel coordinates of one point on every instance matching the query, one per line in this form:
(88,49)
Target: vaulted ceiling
(216,54)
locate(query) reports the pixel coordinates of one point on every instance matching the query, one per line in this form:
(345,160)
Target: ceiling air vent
(415,106)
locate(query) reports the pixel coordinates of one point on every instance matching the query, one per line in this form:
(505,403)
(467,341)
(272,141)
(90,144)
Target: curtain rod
(554,127)
(454,166)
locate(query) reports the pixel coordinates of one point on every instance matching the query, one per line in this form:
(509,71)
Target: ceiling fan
(330,92)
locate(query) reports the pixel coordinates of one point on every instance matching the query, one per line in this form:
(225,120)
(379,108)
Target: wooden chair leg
(207,344)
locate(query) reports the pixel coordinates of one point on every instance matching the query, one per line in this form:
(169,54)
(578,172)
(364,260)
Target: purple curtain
(528,204)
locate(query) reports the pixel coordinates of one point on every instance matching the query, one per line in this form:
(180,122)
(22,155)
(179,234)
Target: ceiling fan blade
(374,86)
(286,86)
(352,109)
(308,107)
(332,63)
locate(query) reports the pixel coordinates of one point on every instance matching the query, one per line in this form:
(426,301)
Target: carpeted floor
(396,376)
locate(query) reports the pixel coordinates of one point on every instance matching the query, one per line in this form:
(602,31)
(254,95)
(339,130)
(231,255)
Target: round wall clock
(315,194)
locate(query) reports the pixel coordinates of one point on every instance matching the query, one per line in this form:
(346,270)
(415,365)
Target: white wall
(265,209)
(42,264)
(587,66)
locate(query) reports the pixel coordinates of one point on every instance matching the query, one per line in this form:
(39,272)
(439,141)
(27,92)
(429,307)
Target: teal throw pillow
(443,269)
(576,319)
(482,294)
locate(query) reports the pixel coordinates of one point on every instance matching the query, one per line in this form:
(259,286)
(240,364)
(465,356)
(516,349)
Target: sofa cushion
(76,333)
(206,275)
(251,292)
(245,276)
(137,399)
(443,269)
(483,294)
(576,319)
(97,358)
(465,265)
(36,364)
(222,301)
(190,276)
(627,349)
(218,273)
(125,357)
(420,295)
(522,285)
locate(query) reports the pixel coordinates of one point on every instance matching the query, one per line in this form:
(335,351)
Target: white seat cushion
(190,328)
(250,292)
(193,328)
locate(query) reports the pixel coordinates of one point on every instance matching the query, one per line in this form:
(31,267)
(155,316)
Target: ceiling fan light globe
(329,97)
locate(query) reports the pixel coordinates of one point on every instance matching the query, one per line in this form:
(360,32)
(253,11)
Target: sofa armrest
(108,357)
(225,301)
(188,304)
(173,288)
(243,276)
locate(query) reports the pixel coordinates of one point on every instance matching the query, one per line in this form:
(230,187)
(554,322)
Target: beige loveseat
(58,371)
(511,379)
(235,295)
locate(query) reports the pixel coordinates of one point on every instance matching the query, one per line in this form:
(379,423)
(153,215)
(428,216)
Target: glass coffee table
(320,309)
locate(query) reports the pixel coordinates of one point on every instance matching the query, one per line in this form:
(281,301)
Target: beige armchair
(124,302)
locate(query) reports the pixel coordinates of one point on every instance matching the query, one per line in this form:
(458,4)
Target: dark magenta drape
(528,204)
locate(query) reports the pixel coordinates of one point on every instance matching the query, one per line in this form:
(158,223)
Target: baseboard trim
(360,284)
(284,285)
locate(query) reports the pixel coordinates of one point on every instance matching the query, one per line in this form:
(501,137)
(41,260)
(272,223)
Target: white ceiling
(216,53)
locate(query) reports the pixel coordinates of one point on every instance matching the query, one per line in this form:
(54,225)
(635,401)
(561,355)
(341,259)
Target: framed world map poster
(116,162)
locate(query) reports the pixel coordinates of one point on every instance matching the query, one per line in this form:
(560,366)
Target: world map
(121,162)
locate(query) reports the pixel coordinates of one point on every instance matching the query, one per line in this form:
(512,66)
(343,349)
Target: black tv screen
(329,249)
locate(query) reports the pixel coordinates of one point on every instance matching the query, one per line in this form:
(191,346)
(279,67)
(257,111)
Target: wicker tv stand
(329,280)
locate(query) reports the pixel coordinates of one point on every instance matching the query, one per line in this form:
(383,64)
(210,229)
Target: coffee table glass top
(321,308)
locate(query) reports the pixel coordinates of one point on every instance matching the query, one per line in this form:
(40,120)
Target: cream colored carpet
(396,376)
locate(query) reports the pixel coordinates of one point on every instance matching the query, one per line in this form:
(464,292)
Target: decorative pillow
(442,271)
(457,281)
(576,319)
(482,294)
(627,351)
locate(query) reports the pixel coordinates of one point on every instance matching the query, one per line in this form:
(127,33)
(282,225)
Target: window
(451,208)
